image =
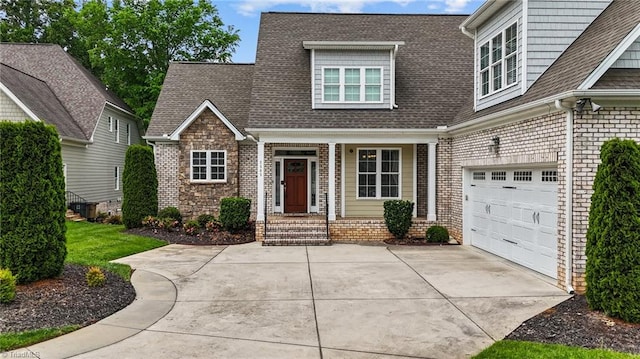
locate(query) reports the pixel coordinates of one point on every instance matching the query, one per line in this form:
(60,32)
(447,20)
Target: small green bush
(191,227)
(203,219)
(437,234)
(168,224)
(150,222)
(95,277)
(397,216)
(213,226)
(139,186)
(171,212)
(7,286)
(613,234)
(113,219)
(32,201)
(234,213)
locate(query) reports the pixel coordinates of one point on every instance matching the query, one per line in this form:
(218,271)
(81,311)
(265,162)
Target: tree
(139,186)
(141,38)
(32,201)
(613,236)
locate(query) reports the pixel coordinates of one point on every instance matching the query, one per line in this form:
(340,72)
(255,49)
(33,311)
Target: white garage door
(514,215)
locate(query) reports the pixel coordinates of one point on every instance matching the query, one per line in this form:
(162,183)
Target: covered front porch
(336,182)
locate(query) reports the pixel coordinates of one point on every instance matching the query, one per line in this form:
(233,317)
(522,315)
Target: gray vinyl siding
(335,58)
(508,15)
(90,169)
(630,59)
(552,26)
(9,110)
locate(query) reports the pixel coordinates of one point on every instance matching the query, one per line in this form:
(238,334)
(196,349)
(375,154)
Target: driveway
(340,301)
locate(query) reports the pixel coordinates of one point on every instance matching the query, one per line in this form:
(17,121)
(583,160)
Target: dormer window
(352,84)
(499,61)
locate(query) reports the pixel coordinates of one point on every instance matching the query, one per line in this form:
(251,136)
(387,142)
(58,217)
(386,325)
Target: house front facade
(41,82)
(490,123)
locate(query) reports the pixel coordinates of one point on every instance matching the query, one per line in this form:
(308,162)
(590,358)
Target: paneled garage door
(514,215)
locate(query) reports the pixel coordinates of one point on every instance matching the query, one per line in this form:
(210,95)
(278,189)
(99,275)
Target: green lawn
(94,244)
(511,349)
(88,244)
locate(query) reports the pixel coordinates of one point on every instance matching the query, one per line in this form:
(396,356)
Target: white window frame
(501,63)
(117,178)
(378,172)
(117,124)
(341,84)
(128,133)
(110,121)
(208,167)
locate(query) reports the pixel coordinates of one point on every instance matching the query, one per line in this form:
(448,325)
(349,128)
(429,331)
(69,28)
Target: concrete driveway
(341,301)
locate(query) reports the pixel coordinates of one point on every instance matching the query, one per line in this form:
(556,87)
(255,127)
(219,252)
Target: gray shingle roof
(40,99)
(81,93)
(432,69)
(619,79)
(580,59)
(188,84)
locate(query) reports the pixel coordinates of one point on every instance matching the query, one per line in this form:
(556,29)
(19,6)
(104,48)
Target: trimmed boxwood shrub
(613,236)
(32,201)
(203,219)
(139,186)
(234,213)
(7,286)
(437,234)
(397,216)
(171,212)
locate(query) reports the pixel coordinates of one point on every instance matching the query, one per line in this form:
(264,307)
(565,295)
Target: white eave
(482,14)
(351,45)
(175,135)
(347,135)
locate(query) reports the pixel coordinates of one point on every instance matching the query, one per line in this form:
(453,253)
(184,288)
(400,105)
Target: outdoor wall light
(583,101)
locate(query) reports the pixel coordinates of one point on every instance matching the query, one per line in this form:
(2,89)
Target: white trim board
(189,120)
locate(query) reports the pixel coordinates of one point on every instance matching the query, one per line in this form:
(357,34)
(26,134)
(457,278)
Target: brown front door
(295,190)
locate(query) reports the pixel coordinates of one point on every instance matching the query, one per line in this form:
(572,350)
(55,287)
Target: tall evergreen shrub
(397,216)
(32,201)
(139,186)
(613,236)
(234,213)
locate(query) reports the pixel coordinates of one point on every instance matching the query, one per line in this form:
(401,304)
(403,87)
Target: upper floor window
(128,134)
(117,129)
(499,61)
(110,124)
(352,84)
(209,166)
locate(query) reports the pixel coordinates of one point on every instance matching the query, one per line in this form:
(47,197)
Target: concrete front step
(296,242)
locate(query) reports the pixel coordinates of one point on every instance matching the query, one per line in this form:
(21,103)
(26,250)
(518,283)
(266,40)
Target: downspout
(568,197)
(393,80)
(466,32)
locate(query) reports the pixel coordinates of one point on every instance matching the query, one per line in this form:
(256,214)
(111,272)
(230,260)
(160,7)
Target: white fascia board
(353,45)
(121,109)
(158,138)
(610,59)
(305,135)
(17,101)
(189,120)
(482,14)
(74,141)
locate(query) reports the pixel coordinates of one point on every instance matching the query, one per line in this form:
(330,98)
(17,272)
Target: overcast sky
(244,15)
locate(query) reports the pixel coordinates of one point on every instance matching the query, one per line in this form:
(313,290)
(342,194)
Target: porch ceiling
(400,136)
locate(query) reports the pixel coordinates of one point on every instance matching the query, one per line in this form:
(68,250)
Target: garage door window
(479,176)
(549,176)
(522,176)
(499,176)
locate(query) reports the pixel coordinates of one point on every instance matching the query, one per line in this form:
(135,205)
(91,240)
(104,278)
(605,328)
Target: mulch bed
(415,241)
(572,323)
(66,300)
(205,238)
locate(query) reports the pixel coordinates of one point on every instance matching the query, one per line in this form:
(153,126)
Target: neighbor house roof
(40,99)
(81,93)
(578,61)
(433,69)
(188,85)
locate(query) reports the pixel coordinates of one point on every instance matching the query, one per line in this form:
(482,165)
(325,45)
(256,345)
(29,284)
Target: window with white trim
(499,61)
(110,121)
(209,166)
(379,173)
(116,177)
(117,130)
(352,84)
(128,134)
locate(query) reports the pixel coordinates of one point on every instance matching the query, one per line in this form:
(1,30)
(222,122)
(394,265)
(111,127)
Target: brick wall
(248,165)
(421,206)
(371,229)
(166,159)
(206,132)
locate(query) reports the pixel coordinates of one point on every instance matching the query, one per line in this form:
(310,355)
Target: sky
(244,15)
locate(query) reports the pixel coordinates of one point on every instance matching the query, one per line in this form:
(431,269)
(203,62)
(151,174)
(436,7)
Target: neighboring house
(490,123)
(41,82)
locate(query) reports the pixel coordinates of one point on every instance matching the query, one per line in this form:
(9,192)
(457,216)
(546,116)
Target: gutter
(568,196)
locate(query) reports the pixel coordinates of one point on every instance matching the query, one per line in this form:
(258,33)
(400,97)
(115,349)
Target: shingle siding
(630,59)
(9,110)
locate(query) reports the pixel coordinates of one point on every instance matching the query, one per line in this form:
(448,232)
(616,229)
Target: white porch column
(332,182)
(431,183)
(260,184)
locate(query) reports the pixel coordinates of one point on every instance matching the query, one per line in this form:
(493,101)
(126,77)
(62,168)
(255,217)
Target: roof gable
(82,94)
(175,136)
